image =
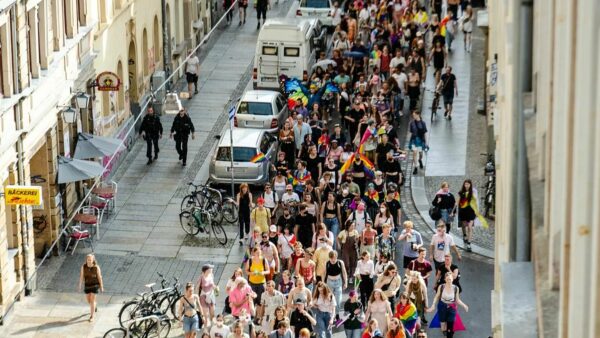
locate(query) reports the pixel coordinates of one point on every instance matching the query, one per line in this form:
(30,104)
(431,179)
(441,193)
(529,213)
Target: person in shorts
(192,70)
(190,311)
(91,278)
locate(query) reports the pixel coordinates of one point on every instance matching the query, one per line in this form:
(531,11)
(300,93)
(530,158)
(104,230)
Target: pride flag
(347,164)
(260,157)
(372,195)
(408,316)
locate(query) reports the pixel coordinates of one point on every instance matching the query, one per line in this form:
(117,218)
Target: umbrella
(324,64)
(93,146)
(72,170)
(355,55)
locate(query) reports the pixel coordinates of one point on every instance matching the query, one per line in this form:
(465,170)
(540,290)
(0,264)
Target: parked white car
(261,109)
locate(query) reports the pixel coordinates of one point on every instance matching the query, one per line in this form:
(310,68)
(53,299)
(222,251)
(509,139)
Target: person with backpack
(447,298)
(181,128)
(418,140)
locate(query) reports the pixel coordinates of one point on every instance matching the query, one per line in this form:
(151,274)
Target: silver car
(247,143)
(261,109)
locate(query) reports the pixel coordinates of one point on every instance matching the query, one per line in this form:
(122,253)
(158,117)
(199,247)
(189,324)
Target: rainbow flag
(408,316)
(397,196)
(302,177)
(291,179)
(368,133)
(347,164)
(367,162)
(372,195)
(260,157)
(458,323)
(324,139)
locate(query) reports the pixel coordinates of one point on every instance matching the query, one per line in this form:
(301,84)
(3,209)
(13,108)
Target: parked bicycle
(198,220)
(152,302)
(212,200)
(154,325)
(489,198)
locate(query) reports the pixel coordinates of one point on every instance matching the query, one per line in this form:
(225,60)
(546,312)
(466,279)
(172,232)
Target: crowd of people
(321,238)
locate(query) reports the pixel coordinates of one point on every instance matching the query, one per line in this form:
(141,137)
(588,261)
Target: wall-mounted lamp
(69,115)
(82,99)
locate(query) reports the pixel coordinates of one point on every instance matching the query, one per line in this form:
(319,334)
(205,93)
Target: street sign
(23,195)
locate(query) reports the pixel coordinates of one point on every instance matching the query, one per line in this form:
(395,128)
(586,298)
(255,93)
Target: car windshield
(255,108)
(316,3)
(240,154)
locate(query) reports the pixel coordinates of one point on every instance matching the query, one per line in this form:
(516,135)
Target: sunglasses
(265,237)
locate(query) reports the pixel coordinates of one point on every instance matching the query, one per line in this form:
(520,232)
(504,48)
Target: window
(156,43)
(145,52)
(68,21)
(269,50)
(255,108)
(43,34)
(240,154)
(103,14)
(33,53)
(280,104)
(81,8)
(264,144)
(316,3)
(291,51)
(57,30)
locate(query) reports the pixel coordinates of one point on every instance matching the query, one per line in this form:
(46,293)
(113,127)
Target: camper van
(287,47)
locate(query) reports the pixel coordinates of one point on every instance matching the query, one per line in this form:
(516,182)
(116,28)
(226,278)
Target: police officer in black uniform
(182,127)
(151,130)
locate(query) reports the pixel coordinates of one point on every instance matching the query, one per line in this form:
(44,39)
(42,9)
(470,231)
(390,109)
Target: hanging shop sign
(108,81)
(23,195)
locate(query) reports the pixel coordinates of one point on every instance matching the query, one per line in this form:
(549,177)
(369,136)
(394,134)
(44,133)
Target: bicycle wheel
(219,232)
(214,209)
(189,223)
(116,333)
(230,210)
(156,330)
(188,202)
(128,312)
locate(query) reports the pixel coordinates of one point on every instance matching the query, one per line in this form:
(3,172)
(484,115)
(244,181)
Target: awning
(72,170)
(93,146)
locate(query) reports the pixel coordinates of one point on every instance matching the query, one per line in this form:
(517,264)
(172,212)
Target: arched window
(145,51)
(156,42)
(121,93)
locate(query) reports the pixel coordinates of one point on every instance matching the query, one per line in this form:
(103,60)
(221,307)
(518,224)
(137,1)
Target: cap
(273,228)
(207,266)
(299,300)
(260,200)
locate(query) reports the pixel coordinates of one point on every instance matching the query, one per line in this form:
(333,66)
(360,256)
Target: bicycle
(150,326)
(149,302)
(197,220)
(212,200)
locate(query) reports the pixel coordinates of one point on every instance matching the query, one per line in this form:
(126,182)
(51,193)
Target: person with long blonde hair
(417,292)
(324,304)
(379,308)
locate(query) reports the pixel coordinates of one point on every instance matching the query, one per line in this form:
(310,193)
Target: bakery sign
(108,81)
(23,195)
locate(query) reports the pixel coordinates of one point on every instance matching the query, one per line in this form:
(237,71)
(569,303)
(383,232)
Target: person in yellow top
(257,269)
(321,257)
(261,216)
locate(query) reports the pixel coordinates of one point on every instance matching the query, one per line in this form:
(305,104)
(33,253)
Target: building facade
(51,51)
(544,85)
(46,59)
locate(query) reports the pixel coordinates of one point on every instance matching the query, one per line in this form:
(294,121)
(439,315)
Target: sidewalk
(455,145)
(143,235)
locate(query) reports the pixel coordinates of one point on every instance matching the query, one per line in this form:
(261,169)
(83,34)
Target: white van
(287,47)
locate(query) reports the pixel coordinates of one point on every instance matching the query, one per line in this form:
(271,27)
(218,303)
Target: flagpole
(231,124)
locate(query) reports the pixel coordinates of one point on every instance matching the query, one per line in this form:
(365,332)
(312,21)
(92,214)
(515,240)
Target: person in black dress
(244,202)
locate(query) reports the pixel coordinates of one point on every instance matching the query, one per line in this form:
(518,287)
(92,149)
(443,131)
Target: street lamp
(82,99)
(69,115)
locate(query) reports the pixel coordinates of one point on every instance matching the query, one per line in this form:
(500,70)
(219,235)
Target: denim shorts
(190,324)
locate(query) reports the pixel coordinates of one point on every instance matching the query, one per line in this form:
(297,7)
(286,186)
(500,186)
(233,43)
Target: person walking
(445,201)
(389,283)
(353,324)
(242,4)
(261,11)
(447,298)
(181,128)
(467,211)
(324,304)
(412,241)
(190,311)
(418,139)
(244,203)
(441,243)
(151,131)
(227,7)
(90,278)
(467,26)
(448,86)
(207,289)
(192,71)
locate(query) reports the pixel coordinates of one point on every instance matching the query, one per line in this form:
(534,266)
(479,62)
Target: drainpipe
(522,252)
(24,219)
(166,38)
